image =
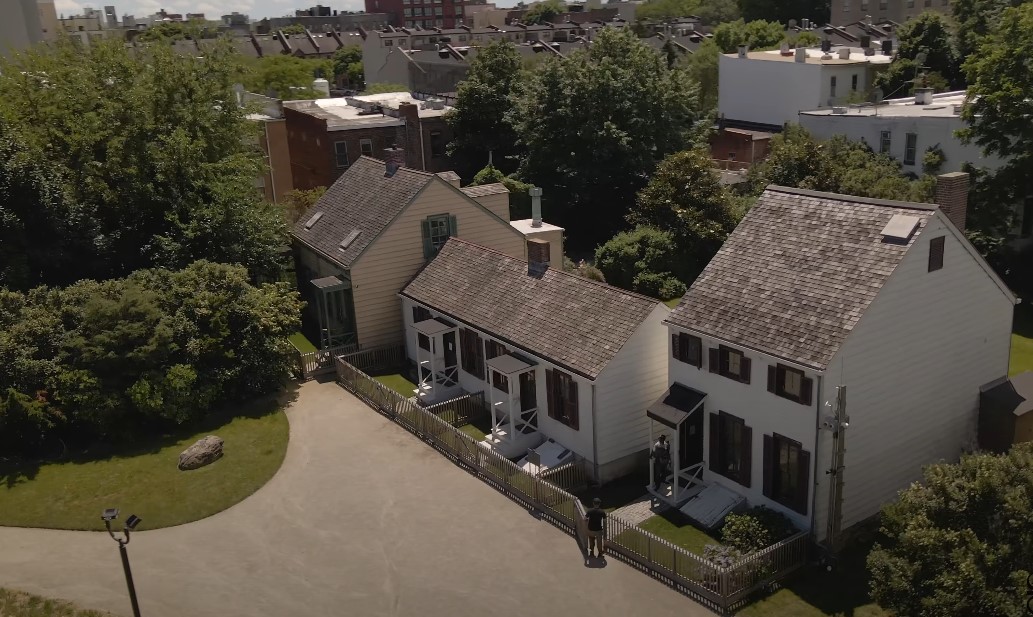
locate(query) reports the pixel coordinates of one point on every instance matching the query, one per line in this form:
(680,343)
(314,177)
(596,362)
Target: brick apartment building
(426,14)
(326,136)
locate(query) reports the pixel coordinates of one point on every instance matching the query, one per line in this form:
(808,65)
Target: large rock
(205,452)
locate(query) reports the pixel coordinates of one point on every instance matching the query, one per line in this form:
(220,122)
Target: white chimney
(743,50)
(322,87)
(536,206)
(923,96)
(844,53)
(801,54)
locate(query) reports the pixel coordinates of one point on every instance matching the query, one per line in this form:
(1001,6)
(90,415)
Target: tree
(546,10)
(686,198)
(714,12)
(519,192)
(480,118)
(293,29)
(756,34)
(347,62)
(931,34)
(642,260)
(664,10)
(298,201)
(385,88)
(702,68)
(286,77)
(594,125)
(152,151)
(782,11)
(170,31)
(959,542)
(976,19)
(903,75)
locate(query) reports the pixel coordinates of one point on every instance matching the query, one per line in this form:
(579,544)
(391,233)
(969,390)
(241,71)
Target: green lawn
(478,429)
(673,302)
(1022,340)
(397,383)
(301,343)
(143,479)
(19,604)
(675,527)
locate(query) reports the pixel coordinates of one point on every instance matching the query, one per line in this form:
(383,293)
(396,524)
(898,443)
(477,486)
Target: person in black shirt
(596,530)
(661,456)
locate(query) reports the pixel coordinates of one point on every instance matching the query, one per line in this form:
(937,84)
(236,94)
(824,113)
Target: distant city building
(21,26)
(424,13)
(322,19)
(899,11)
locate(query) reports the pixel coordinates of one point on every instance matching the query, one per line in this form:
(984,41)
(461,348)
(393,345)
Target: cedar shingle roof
(569,320)
(481,190)
(362,200)
(798,272)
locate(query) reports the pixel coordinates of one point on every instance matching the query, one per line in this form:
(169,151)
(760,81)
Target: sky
(257,9)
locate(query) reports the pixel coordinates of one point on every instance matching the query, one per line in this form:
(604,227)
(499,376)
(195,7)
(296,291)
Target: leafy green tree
(702,68)
(976,19)
(685,197)
(385,88)
(519,192)
(347,62)
(298,201)
(904,75)
(802,39)
(480,118)
(595,124)
(663,10)
(714,12)
(293,29)
(642,260)
(782,11)
(931,34)
(170,31)
(757,34)
(546,10)
(285,77)
(959,542)
(152,150)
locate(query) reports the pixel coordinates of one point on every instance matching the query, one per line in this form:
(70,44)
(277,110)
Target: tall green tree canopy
(288,77)
(782,11)
(663,10)
(931,33)
(480,118)
(546,10)
(959,543)
(347,62)
(757,34)
(594,125)
(976,19)
(153,152)
(702,68)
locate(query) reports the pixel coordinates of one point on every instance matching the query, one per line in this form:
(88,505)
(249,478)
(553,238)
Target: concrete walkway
(363,519)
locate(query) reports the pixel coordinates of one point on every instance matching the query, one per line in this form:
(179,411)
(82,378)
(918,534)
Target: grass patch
(673,302)
(478,429)
(398,383)
(676,528)
(617,493)
(814,592)
(1022,340)
(143,478)
(20,604)
(301,343)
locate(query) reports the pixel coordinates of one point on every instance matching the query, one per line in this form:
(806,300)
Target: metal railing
(721,588)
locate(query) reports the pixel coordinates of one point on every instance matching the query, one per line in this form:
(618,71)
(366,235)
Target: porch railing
(375,359)
(721,588)
(315,363)
(461,410)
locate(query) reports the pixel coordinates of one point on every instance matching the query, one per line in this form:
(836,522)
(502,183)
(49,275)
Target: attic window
(312,221)
(900,228)
(351,238)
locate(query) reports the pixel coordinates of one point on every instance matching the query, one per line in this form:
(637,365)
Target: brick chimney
(952,196)
(394,158)
(410,114)
(537,257)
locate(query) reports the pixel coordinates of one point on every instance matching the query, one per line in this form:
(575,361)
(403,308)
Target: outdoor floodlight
(109,514)
(132,522)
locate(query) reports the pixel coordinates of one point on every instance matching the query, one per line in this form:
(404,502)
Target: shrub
(641,260)
(661,285)
(756,529)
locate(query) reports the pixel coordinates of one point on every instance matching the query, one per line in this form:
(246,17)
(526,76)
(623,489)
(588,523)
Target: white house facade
(558,356)
(814,292)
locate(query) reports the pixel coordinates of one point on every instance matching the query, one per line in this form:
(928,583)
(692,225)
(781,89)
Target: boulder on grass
(204,452)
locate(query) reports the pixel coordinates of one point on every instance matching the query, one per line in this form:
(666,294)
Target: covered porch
(514,405)
(678,414)
(334,312)
(437,360)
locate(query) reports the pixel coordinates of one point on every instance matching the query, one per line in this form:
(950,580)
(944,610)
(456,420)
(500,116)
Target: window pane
(734,363)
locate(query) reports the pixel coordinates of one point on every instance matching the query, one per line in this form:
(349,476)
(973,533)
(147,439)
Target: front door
(690,440)
(449,341)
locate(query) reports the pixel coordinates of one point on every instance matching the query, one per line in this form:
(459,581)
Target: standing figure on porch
(596,534)
(661,456)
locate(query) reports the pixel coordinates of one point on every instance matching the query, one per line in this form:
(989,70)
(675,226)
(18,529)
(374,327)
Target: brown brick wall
(745,148)
(952,196)
(312,154)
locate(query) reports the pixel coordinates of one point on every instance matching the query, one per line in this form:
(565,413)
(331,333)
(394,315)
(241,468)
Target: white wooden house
(558,356)
(811,292)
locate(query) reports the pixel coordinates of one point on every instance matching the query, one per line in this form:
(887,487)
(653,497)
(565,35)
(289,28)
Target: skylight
(312,221)
(351,238)
(900,227)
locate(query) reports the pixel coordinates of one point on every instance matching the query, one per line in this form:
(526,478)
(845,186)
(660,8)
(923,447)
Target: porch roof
(508,364)
(433,326)
(329,283)
(676,405)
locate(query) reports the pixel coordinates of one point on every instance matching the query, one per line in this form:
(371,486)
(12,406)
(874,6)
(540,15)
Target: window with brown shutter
(786,472)
(730,444)
(472,350)
(730,363)
(495,349)
(562,393)
(687,348)
(936,253)
(790,383)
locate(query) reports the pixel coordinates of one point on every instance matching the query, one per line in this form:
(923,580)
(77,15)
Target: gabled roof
(796,275)
(362,200)
(570,321)
(495,188)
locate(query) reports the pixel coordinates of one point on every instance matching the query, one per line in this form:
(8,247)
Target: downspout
(595,442)
(816,458)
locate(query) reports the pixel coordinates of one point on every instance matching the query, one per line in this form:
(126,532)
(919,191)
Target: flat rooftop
(359,111)
(815,56)
(942,106)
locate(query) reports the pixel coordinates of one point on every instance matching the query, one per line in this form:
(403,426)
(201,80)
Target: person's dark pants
(659,472)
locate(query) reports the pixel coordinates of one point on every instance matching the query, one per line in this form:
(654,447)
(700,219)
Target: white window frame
(337,154)
(362,147)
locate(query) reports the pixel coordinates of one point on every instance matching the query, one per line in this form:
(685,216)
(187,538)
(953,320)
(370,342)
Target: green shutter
(453,226)
(428,248)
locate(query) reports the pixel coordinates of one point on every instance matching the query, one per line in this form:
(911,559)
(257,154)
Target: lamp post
(107,516)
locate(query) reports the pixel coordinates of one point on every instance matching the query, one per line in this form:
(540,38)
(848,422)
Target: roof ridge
(561,271)
(367,157)
(852,198)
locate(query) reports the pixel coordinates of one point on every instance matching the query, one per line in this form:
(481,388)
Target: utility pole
(837,423)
